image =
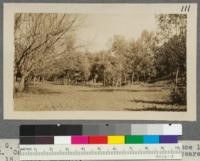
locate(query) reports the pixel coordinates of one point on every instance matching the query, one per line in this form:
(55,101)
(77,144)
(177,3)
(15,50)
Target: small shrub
(178,95)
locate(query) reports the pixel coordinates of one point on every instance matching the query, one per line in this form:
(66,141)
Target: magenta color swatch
(79,139)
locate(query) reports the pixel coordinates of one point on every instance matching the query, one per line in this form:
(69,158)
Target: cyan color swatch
(151,139)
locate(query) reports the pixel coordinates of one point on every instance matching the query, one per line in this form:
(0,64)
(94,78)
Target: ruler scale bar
(9,150)
(102,152)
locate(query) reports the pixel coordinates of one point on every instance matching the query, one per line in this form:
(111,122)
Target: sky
(98,29)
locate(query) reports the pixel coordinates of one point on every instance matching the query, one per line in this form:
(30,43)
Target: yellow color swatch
(116,139)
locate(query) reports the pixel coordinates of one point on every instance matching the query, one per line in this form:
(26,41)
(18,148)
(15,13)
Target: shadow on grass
(153,102)
(32,90)
(78,84)
(119,90)
(155,108)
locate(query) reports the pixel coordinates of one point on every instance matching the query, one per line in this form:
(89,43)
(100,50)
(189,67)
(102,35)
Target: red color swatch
(97,140)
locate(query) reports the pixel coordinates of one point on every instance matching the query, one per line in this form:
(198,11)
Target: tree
(171,52)
(85,67)
(170,25)
(38,35)
(141,59)
(120,50)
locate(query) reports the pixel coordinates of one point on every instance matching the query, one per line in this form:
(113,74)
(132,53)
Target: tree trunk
(176,82)
(67,81)
(125,79)
(132,78)
(14,85)
(117,83)
(120,81)
(149,77)
(144,77)
(138,77)
(104,80)
(21,85)
(34,80)
(113,82)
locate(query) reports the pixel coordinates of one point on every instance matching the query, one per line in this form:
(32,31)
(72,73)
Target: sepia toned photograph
(100,61)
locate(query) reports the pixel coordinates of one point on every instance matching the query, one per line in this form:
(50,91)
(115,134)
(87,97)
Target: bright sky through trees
(100,28)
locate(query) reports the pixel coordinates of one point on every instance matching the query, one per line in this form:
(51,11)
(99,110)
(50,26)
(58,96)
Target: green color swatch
(136,139)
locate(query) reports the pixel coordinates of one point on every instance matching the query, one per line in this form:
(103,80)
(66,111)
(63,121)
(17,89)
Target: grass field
(51,97)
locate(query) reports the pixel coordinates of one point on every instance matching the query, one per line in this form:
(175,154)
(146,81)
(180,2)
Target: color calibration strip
(126,139)
(101,129)
(100,134)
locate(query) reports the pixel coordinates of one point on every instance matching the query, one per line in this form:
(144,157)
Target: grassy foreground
(51,97)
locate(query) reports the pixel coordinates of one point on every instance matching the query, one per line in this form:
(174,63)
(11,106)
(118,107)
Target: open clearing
(51,97)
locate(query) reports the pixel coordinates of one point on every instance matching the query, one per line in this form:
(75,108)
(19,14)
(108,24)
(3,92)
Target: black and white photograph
(133,61)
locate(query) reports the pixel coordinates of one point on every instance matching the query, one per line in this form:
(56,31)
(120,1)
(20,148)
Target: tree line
(46,49)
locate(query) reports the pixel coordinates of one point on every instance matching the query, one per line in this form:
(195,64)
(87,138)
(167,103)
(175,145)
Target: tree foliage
(46,49)
(38,36)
